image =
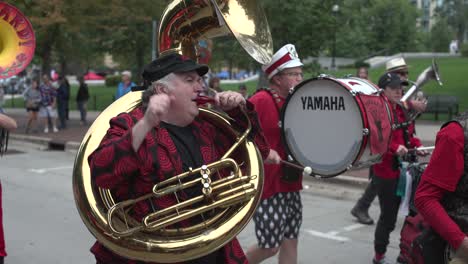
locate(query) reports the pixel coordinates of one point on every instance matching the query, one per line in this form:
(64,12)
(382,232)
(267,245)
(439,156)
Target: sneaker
(55,130)
(46,130)
(362,216)
(382,261)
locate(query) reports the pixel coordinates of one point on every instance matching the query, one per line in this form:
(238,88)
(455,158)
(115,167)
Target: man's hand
(419,105)
(229,100)
(158,106)
(401,150)
(273,157)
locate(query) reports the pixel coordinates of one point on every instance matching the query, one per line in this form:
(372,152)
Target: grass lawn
(452,71)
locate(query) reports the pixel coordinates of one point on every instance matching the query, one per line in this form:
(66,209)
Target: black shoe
(362,216)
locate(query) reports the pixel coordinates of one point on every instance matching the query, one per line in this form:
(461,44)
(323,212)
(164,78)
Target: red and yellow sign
(17,41)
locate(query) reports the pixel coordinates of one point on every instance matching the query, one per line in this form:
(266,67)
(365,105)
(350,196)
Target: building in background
(428,8)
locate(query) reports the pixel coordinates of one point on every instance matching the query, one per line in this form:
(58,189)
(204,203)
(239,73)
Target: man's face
(403,73)
(393,94)
(362,73)
(45,79)
(185,87)
(288,78)
(125,78)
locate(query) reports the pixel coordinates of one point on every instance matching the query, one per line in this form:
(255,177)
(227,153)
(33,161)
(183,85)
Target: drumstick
(305,170)
(426,148)
(422,149)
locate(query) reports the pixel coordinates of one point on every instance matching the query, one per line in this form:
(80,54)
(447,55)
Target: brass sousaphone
(17,41)
(229,203)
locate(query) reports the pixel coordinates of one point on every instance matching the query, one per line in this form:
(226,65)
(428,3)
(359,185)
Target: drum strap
(274,96)
(289,175)
(403,125)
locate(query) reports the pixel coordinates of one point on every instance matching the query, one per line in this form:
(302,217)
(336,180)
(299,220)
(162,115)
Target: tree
(456,14)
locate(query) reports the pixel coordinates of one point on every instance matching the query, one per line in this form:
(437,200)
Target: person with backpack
(442,195)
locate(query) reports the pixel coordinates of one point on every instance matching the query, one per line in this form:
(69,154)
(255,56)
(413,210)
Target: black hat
(391,80)
(171,63)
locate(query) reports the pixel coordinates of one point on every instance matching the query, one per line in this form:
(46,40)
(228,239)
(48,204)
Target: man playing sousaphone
(277,230)
(163,138)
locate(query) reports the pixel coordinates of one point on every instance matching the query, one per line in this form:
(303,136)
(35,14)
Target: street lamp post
(335,10)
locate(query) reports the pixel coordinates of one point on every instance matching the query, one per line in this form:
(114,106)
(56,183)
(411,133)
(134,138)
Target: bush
(359,64)
(464,50)
(113,80)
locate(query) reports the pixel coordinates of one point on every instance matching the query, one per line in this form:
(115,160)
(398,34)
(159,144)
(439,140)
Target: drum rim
(283,112)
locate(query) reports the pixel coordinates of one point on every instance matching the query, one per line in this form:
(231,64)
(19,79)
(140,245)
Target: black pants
(389,205)
(369,194)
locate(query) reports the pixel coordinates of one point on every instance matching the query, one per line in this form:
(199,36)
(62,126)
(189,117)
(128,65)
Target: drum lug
(280,124)
(354,93)
(365,131)
(323,75)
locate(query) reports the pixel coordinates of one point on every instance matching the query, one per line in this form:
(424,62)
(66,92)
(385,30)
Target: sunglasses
(293,74)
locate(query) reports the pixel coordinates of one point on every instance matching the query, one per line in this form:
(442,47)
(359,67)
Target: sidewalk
(70,139)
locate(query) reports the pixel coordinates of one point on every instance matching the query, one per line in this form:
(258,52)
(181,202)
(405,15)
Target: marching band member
(441,195)
(386,174)
(399,67)
(277,229)
(6,124)
(163,138)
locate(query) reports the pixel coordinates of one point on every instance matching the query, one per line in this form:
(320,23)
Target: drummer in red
(441,195)
(387,173)
(279,215)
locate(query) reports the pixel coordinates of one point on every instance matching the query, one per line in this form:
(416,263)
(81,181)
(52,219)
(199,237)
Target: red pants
(2,236)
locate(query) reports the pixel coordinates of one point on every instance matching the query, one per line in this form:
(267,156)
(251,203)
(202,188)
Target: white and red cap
(284,58)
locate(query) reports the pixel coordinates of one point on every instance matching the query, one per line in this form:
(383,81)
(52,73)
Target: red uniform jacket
(384,169)
(269,120)
(116,166)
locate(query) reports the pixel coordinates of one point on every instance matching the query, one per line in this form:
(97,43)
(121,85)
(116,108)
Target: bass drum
(333,125)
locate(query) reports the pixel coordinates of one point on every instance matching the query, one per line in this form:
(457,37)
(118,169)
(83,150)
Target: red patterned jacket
(116,166)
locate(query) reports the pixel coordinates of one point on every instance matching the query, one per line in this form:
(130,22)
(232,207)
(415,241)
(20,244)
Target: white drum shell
(323,125)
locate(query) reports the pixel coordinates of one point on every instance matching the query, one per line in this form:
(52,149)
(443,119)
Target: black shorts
(277,218)
(33,109)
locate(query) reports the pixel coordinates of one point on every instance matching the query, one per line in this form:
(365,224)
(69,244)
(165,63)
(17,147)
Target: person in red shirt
(163,138)
(6,124)
(279,215)
(440,196)
(399,67)
(386,174)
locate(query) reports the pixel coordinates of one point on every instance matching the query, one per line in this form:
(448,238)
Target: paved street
(43,226)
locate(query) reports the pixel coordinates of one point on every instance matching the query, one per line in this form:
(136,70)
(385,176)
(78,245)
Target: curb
(339,187)
(47,142)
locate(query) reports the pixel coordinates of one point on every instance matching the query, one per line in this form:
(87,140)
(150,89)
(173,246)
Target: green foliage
(113,80)
(464,50)
(441,35)
(359,64)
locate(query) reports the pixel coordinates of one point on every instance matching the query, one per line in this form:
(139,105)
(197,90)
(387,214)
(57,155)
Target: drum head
(322,126)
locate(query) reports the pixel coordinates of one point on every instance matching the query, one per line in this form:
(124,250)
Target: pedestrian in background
(125,85)
(63,96)
(215,84)
(82,97)
(32,97)
(243,91)
(362,73)
(47,110)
